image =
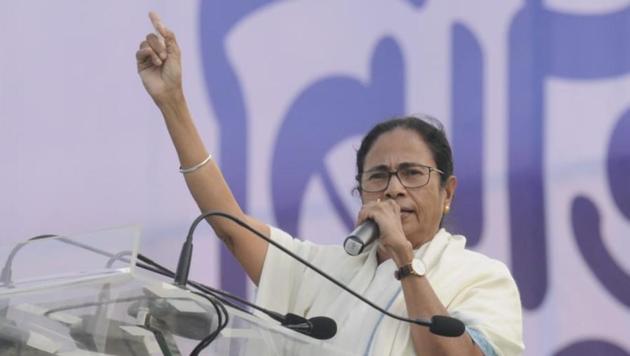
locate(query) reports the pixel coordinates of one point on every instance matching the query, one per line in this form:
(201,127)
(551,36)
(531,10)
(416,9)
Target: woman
(406,185)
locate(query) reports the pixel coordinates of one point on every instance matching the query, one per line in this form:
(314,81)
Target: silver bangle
(196,166)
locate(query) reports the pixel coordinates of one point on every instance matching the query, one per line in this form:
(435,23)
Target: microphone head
(353,246)
(446,326)
(363,235)
(323,327)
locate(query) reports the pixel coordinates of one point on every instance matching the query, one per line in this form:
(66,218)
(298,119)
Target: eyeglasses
(412,176)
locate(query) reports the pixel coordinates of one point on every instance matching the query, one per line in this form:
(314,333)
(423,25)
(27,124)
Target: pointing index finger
(157,23)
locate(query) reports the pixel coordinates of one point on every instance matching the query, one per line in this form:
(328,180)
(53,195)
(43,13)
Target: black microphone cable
(439,324)
(223,316)
(220,308)
(155,267)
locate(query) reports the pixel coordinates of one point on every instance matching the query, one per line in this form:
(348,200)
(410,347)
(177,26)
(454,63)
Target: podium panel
(100,304)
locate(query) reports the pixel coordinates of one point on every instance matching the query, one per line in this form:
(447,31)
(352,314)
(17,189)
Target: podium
(84,295)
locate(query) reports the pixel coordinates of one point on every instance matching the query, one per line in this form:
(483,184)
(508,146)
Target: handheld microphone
(360,237)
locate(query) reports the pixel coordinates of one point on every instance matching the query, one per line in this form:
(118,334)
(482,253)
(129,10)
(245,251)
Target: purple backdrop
(534,95)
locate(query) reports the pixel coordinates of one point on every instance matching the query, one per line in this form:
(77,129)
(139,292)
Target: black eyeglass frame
(395,172)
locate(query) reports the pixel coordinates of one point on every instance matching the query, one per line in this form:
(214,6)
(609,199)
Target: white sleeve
(492,307)
(281,277)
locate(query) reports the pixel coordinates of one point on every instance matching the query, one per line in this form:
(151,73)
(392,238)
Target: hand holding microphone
(363,235)
(369,231)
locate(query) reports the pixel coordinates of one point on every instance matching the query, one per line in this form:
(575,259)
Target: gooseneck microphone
(6,274)
(439,324)
(317,327)
(363,235)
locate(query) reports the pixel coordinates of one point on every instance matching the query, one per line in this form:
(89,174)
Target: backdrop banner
(534,96)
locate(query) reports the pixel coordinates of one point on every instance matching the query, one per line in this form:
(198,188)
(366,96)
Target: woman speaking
(415,268)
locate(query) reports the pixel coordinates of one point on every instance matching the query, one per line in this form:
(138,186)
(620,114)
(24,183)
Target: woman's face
(421,208)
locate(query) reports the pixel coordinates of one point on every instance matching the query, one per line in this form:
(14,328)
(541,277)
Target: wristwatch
(415,268)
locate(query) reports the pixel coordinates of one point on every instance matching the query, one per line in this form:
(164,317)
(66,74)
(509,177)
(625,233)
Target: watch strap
(415,268)
(403,272)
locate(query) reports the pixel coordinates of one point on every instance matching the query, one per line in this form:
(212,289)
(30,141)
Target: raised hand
(159,66)
(159,62)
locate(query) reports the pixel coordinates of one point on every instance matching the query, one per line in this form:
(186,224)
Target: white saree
(474,288)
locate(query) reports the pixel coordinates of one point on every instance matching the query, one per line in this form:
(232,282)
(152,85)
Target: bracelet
(196,166)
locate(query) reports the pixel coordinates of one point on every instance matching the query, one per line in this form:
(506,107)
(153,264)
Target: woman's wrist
(402,254)
(174,108)
(172,100)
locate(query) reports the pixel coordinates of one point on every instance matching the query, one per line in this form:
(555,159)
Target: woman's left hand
(392,239)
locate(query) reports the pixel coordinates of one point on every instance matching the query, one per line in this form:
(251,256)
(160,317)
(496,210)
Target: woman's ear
(357,191)
(449,191)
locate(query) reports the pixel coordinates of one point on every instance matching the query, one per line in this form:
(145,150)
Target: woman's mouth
(405,212)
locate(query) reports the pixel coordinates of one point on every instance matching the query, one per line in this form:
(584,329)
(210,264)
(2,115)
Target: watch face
(418,267)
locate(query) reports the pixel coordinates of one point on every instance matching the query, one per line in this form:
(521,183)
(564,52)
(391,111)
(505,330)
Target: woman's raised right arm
(159,67)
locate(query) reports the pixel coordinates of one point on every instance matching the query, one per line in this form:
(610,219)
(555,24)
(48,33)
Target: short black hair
(429,129)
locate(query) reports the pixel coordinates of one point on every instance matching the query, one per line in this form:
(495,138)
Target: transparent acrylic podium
(83,295)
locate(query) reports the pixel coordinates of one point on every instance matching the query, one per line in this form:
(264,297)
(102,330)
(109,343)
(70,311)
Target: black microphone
(359,238)
(446,326)
(319,327)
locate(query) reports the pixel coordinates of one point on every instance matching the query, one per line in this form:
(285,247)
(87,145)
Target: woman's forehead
(399,146)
